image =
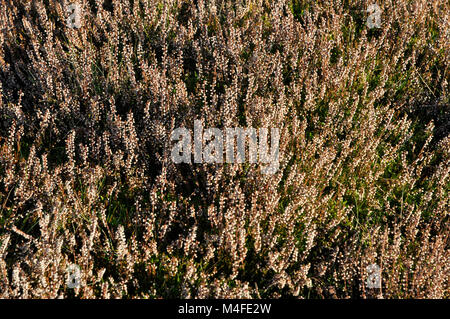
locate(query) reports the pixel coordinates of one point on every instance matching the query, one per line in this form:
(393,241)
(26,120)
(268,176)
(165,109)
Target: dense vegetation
(86,175)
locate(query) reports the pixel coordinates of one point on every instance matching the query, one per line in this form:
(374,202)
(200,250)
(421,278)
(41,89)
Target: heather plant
(92,204)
